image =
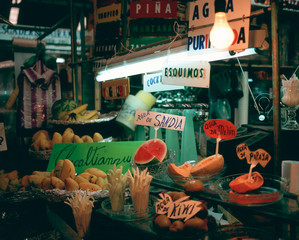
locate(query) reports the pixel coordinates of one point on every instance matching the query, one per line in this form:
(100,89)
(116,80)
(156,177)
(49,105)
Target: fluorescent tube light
(153,62)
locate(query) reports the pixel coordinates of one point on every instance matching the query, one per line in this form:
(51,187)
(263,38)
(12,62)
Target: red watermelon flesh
(151,150)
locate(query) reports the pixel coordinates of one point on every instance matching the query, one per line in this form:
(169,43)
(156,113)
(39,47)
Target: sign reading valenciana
(202,14)
(153,9)
(186,73)
(160,120)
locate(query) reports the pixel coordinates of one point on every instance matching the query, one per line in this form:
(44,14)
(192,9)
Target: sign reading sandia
(186,73)
(160,120)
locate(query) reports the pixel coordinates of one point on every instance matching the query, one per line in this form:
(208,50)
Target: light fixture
(60,60)
(221,35)
(152,60)
(14,15)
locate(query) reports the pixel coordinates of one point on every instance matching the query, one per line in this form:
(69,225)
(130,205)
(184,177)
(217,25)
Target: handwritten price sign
(160,120)
(179,209)
(220,128)
(259,156)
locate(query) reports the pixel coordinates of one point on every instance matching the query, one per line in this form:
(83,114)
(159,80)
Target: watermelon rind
(61,107)
(151,152)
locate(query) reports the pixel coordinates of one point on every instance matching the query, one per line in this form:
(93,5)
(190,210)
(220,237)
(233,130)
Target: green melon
(61,107)
(151,151)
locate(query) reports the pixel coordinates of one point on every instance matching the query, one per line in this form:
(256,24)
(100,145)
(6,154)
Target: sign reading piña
(160,120)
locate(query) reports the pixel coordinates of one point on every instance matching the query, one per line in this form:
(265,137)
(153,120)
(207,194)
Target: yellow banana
(89,115)
(78,109)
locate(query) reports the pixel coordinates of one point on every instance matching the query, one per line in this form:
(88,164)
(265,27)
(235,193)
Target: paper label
(160,120)
(101,155)
(3,145)
(260,155)
(220,128)
(180,209)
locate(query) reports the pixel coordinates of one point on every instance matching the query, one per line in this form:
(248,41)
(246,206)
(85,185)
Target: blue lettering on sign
(153,80)
(198,42)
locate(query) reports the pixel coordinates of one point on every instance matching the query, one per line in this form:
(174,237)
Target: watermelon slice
(151,151)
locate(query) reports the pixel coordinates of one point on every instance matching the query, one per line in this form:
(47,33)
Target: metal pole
(74,52)
(276,87)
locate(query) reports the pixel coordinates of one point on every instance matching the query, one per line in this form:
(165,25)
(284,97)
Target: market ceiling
(44,13)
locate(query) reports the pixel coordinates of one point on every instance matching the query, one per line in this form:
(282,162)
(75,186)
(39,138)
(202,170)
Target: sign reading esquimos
(186,73)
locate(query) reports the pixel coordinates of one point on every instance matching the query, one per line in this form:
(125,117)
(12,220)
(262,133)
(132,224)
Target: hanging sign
(101,155)
(202,13)
(160,120)
(186,73)
(153,83)
(199,39)
(116,89)
(106,48)
(109,13)
(216,128)
(260,156)
(151,27)
(140,42)
(182,208)
(3,145)
(153,9)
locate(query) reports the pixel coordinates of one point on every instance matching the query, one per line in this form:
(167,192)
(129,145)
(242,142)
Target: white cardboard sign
(202,12)
(153,83)
(160,120)
(199,39)
(3,145)
(186,73)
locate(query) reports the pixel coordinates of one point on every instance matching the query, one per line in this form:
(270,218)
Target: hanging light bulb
(221,35)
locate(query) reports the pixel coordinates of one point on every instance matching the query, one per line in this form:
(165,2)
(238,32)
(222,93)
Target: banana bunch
(41,140)
(80,114)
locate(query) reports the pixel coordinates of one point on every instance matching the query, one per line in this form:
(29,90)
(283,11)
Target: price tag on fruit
(160,120)
(216,128)
(220,129)
(260,155)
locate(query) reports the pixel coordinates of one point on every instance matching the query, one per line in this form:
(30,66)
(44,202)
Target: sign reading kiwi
(101,155)
(220,128)
(181,208)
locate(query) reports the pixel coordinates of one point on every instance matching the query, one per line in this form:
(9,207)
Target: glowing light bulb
(221,35)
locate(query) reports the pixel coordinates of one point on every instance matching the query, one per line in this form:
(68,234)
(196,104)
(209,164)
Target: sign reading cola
(192,74)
